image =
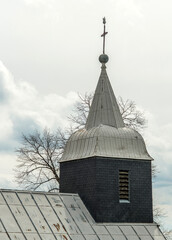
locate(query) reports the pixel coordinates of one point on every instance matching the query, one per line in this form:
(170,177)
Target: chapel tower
(106,163)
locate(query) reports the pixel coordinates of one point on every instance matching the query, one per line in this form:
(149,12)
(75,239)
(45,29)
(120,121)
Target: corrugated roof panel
(159,238)
(132,237)
(141,231)
(47,237)
(114,230)
(84,209)
(23,219)
(153,230)
(100,229)
(1,227)
(3,236)
(119,237)
(145,237)
(81,221)
(11,198)
(55,200)
(26,199)
(105,237)
(16,236)
(52,220)
(66,220)
(127,230)
(69,201)
(62,237)
(91,237)
(32,236)
(2,201)
(8,220)
(77,237)
(40,200)
(37,219)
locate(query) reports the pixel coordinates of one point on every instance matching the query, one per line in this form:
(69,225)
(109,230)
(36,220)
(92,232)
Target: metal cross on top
(104,34)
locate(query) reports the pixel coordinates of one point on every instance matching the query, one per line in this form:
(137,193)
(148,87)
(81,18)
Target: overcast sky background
(49,52)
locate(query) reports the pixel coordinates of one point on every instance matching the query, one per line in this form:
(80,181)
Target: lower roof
(48,216)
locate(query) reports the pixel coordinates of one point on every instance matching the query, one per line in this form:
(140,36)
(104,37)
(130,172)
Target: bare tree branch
(132,117)
(38,160)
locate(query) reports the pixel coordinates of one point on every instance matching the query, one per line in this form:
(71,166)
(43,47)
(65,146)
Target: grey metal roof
(105,134)
(105,141)
(48,216)
(104,108)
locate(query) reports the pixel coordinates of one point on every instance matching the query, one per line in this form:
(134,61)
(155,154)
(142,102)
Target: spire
(104,109)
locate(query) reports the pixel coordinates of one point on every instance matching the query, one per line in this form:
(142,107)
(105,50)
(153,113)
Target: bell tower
(106,163)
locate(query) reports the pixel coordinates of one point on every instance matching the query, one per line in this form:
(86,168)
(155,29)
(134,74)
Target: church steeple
(106,163)
(104,108)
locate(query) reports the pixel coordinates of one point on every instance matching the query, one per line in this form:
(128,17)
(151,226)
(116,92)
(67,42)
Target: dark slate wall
(96,181)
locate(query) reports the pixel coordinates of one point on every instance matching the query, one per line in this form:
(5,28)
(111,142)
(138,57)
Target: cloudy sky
(49,52)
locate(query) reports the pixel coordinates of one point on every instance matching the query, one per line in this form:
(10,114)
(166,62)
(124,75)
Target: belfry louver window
(123,186)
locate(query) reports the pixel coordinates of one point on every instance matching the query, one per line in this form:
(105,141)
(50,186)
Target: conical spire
(104,109)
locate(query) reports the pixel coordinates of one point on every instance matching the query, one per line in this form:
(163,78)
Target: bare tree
(38,161)
(132,116)
(80,111)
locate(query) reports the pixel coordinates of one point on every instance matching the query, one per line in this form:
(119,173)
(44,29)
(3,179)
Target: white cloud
(23,109)
(23,101)
(38,3)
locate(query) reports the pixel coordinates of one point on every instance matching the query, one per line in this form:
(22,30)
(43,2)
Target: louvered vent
(123,186)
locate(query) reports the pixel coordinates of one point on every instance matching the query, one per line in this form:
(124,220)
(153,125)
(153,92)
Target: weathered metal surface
(16,236)
(37,219)
(153,230)
(32,236)
(84,209)
(127,230)
(141,231)
(105,237)
(118,237)
(105,133)
(44,216)
(23,219)
(100,230)
(62,237)
(67,221)
(91,237)
(4,236)
(104,108)
(26,199)
(114,230)
(40,200)
(8,220)
(52,220)
(81,221)
(77,237)
(106,141)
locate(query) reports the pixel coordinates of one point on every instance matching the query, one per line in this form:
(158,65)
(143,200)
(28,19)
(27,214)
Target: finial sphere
(103,58)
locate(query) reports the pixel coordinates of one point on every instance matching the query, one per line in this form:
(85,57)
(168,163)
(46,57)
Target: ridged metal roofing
(104,108)
(48,216)
(105,134)
(105,141)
